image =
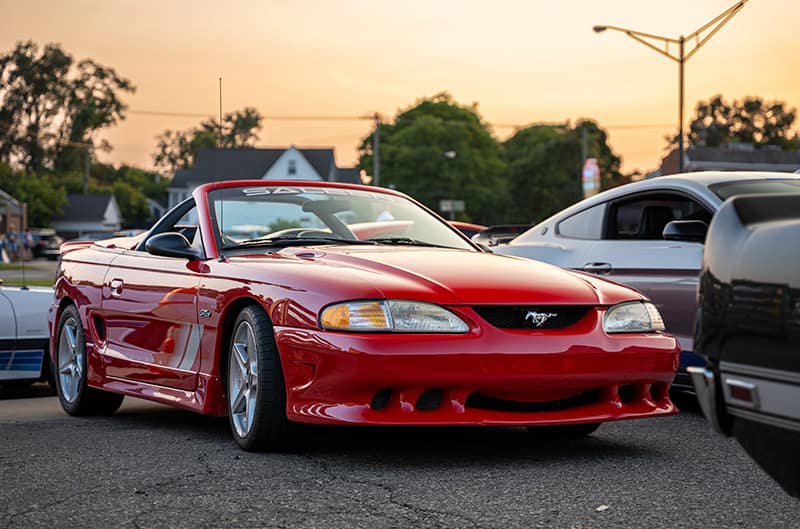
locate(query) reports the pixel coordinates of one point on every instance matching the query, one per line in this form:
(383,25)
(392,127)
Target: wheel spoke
(69,332)
(239,403)
(251,405)
(240,354)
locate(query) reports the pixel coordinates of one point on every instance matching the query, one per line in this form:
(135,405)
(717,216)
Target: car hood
(443,276)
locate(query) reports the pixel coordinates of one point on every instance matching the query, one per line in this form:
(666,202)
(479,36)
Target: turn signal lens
(356,316)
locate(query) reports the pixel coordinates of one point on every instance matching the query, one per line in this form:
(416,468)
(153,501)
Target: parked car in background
(46,243)
(467,228)
(24,335)
(648,235)
(748,330)
(345,318)
(499,234)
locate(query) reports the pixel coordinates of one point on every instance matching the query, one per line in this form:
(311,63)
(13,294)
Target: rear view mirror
(685,230)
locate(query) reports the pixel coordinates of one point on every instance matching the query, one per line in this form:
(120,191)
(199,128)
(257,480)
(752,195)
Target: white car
(24,335)
(647,235)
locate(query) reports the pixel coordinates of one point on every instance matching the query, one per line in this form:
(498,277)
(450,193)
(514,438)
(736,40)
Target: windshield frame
(208,194)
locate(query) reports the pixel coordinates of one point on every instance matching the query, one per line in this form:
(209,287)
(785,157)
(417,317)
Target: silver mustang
(24,334)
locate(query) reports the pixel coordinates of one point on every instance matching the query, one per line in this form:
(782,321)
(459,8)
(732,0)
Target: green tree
(130,186)
(44,197)
(176,149)
(439,149)
(51,108)
(544,167)
(750,120)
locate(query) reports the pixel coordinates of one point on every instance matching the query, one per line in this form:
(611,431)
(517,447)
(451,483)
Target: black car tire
(86,400)
(255,385)
(566,431)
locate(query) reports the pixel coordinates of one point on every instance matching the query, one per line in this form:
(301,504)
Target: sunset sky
(522,61)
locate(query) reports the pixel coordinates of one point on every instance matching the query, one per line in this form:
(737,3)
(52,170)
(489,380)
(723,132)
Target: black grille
(526,316)
(483,402)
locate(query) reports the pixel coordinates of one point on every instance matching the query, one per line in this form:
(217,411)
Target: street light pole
(682,91)
(712,27)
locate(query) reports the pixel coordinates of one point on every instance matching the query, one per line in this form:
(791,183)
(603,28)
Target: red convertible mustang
(277,303)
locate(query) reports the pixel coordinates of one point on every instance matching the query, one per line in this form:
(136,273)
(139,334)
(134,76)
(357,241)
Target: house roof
(349,175)
(5,197)
(84,208)
(732,155)
(211,164)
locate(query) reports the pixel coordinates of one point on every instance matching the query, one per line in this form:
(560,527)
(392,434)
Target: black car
(748,330)
(45,243)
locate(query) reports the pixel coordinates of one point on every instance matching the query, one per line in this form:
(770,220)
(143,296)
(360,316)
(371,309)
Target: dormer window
(292,168)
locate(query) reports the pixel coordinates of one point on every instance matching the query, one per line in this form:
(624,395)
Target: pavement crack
(407,510)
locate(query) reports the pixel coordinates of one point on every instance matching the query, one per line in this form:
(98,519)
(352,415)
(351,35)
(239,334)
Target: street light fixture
(682,56)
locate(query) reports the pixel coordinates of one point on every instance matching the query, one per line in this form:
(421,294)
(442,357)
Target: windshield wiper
(284,240)
(406,241)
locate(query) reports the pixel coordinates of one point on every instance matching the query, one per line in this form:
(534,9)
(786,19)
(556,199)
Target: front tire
(256,388)
(76,397)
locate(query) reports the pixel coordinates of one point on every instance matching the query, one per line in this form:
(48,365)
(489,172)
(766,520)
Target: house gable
(292,165)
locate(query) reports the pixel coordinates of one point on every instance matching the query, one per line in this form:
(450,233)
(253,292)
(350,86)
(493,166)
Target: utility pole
(376,145)
(86,171)
(584,144)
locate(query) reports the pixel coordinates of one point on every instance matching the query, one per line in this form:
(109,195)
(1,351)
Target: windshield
(728,189)
(281,216)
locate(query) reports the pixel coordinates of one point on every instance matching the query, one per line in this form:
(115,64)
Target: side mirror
(171,244)
(685,230)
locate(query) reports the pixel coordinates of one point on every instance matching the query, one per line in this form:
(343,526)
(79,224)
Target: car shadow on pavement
(10,390)
(396,446)
(446,445)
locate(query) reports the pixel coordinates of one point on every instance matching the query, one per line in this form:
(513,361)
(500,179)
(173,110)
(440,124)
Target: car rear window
(726,190)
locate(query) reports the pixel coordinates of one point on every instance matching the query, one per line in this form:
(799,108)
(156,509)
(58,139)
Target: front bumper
(487,377)
(708,393)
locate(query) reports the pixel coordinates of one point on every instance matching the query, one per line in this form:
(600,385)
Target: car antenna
(219,174)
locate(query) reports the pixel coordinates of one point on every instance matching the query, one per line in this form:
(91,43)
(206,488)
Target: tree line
(52,109)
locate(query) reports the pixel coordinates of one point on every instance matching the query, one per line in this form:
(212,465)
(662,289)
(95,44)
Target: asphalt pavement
(150,466)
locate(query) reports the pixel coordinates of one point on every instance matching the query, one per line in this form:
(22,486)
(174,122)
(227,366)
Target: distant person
(11,244)
(28,243)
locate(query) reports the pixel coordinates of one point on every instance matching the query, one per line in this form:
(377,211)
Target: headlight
(391,315)
(633,317)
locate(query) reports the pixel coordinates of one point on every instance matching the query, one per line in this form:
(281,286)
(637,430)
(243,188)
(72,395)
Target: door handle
(116,287)
(597,268)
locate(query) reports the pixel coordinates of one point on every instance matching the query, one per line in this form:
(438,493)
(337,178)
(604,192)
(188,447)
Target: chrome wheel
(243,379)
(70,360)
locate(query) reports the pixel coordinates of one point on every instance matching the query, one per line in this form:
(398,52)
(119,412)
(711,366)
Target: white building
(87,214)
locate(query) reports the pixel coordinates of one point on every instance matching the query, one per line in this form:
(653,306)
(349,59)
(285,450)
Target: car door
(151,319)
(8,335)
(633,252)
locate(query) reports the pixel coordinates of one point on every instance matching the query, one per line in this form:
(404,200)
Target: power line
(163,113)
(268,117)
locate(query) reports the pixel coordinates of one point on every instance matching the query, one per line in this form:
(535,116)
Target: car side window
(587,224)
(644,217)
(187,225)
(184,222)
